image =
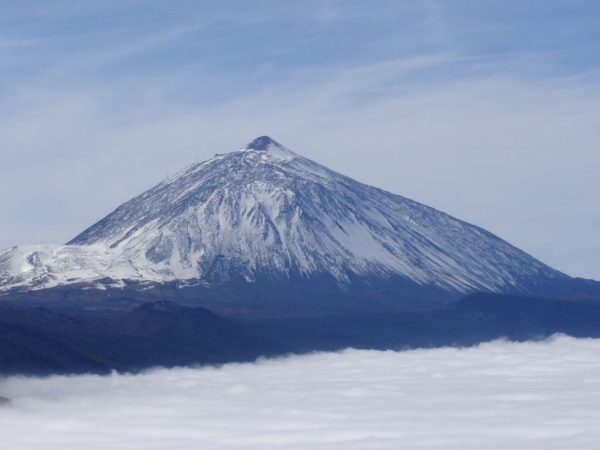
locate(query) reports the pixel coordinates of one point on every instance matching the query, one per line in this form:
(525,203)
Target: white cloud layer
(499,395)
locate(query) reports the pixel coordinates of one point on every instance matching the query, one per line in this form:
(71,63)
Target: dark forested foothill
(38,340)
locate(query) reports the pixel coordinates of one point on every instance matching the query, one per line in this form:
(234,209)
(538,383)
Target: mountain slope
(40,341)
(265,212)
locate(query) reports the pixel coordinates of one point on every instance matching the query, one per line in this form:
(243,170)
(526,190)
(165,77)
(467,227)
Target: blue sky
(487,110)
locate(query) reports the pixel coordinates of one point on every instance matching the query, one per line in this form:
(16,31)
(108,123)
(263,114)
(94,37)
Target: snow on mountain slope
(265,210)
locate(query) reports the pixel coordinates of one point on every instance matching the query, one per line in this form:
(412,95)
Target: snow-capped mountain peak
(265,211)
(264,143)
(267,149)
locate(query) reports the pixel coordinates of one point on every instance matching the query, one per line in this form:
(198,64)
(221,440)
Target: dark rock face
(4,401)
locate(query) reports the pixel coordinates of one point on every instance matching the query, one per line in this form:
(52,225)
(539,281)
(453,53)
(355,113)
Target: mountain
(265,213)
(263,252)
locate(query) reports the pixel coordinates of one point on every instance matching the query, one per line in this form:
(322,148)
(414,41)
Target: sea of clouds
(500,395)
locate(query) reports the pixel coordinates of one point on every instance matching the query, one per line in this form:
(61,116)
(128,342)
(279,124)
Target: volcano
(264,216)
